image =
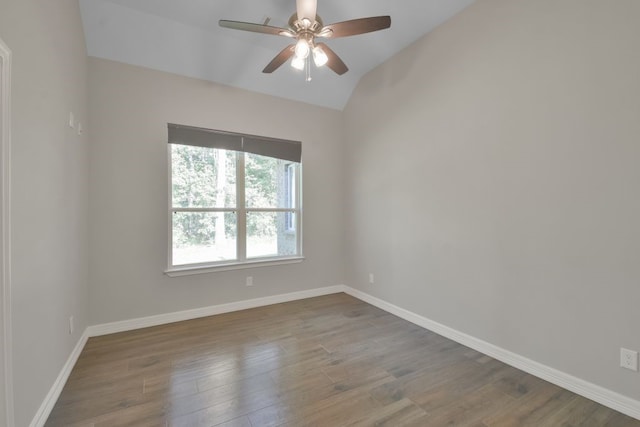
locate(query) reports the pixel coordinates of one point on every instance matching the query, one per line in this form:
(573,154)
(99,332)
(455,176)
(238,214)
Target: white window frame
(241,211)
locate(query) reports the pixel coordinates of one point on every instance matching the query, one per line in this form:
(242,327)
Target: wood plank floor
(326,361)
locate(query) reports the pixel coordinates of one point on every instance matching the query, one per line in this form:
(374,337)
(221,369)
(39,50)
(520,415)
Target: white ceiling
(183,37)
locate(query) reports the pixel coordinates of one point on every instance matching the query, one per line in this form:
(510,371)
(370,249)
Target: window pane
(270,183)
(203,237)
(203,177)
(268,235)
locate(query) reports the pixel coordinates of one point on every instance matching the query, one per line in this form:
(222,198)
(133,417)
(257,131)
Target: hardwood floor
(326,361)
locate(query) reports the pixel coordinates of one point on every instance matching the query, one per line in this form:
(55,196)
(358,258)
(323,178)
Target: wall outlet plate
(629,359)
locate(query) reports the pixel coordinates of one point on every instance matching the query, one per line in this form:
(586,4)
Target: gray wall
(4,127)
(493,181)
(130,108)
(49,190)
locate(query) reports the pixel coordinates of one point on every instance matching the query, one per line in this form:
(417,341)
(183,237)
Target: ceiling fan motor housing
(299,27)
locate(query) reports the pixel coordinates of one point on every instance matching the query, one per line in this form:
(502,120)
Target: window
(234,199)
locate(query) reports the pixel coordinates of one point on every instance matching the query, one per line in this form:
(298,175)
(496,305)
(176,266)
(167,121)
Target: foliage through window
(231,207)
(290,195)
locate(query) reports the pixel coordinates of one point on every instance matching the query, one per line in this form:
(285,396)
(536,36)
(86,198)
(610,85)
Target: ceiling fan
(305,26)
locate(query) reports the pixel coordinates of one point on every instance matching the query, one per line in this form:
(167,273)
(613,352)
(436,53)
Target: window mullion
(270,210)
(241,219)
(203,210)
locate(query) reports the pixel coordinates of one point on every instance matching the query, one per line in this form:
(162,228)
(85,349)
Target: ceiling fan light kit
(305,26)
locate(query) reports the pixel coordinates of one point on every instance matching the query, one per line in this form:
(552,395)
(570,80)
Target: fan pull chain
(308,68)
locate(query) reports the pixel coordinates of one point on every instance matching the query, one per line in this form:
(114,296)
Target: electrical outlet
(371,278)
(629,359)
(249,280)
(70,325)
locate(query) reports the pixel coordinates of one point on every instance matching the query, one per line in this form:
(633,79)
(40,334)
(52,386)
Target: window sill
(188,271)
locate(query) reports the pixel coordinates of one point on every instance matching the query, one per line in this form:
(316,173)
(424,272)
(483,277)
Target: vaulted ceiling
(183,37)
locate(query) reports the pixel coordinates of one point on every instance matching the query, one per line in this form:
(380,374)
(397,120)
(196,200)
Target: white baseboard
(52,397)
(127,325)
(584,388)
(178,316)
(579,386)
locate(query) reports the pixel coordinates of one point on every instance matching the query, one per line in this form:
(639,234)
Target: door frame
(6,370)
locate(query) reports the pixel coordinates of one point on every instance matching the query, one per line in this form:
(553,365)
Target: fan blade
(307,9)
(256,28)
(334,62)
(355,27)
(280,59)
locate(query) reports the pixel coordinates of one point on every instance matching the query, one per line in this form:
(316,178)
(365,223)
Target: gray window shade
(278,148)
(201,137)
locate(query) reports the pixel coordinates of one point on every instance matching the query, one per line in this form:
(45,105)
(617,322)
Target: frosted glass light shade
(320,58)
(297,63)
(302,48)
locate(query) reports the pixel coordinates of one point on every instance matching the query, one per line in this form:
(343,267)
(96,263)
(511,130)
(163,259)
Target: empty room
(319,213)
